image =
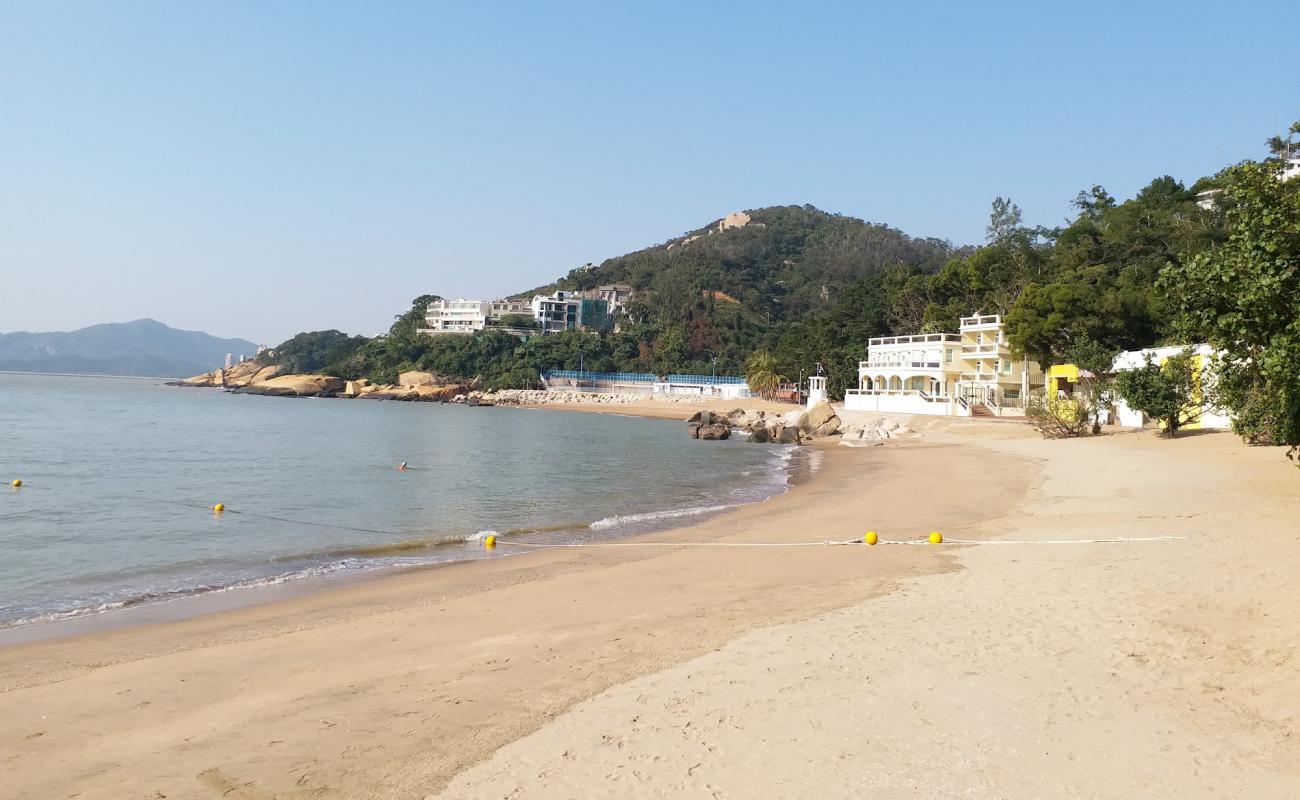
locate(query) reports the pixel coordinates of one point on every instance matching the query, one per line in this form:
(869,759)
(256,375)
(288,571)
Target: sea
(120,476)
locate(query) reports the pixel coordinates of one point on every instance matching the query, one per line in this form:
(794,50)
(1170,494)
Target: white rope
(677,544)
(827,543)
(1117,540)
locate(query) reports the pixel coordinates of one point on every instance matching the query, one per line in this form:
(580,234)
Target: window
(947,355)
(1006,367)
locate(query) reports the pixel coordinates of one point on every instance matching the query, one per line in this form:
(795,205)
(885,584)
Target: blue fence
(601,377)
(639,377)
(707,380)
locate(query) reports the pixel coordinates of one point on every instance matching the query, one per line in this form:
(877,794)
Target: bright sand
(1102,670)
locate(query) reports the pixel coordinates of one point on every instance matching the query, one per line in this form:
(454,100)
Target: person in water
(401,467)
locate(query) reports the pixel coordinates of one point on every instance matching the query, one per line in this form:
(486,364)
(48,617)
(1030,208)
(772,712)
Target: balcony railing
(926,396)
(919,338)
(898,364)
(989,350)
(981,321)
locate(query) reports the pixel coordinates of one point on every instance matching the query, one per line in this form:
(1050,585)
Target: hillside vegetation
(807,287)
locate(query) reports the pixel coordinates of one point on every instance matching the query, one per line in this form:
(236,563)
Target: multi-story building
(969,373)
(456,316)
(467,316)
(561,311)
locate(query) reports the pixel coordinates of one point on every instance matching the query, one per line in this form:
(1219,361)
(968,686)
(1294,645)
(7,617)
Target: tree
(761,374)
(1243,297)
(1282,147)
(1167,392)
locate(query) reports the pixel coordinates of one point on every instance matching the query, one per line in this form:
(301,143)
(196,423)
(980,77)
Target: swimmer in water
(401,467)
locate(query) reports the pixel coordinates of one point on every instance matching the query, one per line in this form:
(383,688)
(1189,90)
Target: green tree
(1243,297)
(761,374)
(1167,392)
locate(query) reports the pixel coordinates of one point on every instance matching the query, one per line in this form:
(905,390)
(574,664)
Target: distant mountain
(144,347)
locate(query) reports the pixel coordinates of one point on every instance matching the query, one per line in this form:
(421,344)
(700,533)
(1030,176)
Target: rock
(760,436)
(296,386)
(696,418)
(265,374)
(816,417)
(694,430)
(219,377)
(352,388)
(847,442)
(789,435)
(204,380)
(414,379)
(475,384)
(716,430)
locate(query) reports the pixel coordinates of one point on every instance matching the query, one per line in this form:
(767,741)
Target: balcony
(920,338)
(982,322)
(986,350)
(898,364)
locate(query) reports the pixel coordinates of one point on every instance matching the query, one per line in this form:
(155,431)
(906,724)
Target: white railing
(981,321)
(899,364)
(921,393)
(920,338)
(982,349)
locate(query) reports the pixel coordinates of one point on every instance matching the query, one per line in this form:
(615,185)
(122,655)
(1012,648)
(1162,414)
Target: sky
(257,169)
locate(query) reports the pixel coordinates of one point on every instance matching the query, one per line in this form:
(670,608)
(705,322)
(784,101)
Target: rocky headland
(253,378)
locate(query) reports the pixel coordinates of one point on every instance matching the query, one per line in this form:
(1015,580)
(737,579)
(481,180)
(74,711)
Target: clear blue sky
(255,169)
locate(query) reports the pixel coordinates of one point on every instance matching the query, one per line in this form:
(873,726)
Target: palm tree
(761,374)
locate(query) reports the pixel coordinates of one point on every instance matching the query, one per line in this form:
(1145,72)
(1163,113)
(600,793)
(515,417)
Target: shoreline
(134,613)
(552,627)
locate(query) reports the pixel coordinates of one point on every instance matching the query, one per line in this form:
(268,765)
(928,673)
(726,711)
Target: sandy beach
(1018,670)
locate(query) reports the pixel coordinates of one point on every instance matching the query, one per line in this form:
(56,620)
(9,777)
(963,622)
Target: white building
(561,311)
(467,316)
(1208,417)
(970,373)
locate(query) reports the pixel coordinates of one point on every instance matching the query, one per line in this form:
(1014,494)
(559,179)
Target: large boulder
(414,379)
(789,435)
(760,436)
(818,421)
(296,386)
(717,430)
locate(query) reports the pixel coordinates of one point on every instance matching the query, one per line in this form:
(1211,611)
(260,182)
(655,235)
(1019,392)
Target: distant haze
(259,169)
(144,347)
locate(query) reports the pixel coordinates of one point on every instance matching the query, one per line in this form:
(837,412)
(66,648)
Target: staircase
(981,410)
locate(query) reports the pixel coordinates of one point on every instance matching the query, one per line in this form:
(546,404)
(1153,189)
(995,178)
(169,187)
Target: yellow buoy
(490,542)
(870,538)
(219,507)
(16,483)
(936,537)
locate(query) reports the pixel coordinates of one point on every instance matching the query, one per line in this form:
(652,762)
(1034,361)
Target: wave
(619,520)
(168,595)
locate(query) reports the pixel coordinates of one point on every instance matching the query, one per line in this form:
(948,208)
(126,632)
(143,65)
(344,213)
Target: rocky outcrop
(295,386)
(414,380)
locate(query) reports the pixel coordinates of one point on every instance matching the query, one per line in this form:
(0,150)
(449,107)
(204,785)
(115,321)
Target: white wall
(902,404)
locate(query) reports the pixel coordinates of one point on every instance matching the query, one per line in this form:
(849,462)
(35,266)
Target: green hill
(780,263)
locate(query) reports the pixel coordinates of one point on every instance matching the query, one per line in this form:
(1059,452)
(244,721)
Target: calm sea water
(120,476)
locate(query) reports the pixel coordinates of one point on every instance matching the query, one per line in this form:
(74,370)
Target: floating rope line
(836,543)
(498,539)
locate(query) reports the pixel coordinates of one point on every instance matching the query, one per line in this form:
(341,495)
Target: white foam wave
(620,520)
